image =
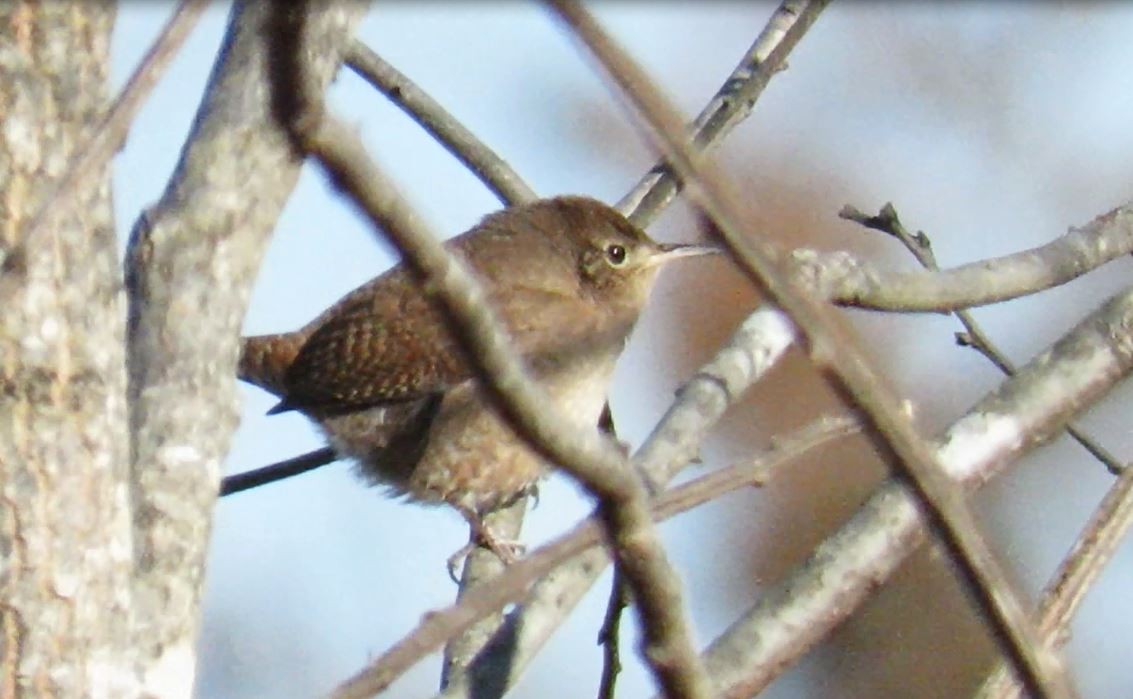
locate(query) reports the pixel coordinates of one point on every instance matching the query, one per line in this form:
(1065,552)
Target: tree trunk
(65,544)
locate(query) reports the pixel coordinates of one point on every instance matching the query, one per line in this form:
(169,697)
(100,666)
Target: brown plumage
(389,386)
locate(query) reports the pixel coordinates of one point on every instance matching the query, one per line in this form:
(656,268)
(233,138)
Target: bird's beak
(667,252)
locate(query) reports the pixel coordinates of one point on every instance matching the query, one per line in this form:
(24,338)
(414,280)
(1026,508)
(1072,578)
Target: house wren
(391,388)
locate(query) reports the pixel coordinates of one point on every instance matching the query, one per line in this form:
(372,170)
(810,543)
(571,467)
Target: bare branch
(850,281)
(287,468)
(510,188)
(757,346)
(492,170)
(973,336)
(507,185)
(1064,594)
(731,104)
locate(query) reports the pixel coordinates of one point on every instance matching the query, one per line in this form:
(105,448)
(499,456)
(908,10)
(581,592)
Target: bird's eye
(616,254)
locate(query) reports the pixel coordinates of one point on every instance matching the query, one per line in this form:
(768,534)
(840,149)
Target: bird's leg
(507,550)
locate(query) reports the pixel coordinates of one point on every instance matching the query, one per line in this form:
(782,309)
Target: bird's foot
(507,550)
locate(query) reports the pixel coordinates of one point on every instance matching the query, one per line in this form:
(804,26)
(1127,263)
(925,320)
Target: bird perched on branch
(392,389)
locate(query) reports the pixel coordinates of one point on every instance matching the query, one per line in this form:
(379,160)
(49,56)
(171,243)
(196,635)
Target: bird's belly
(384,440)
(475,461)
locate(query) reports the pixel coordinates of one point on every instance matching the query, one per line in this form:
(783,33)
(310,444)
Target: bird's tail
(264,360)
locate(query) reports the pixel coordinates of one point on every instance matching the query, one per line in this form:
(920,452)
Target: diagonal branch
(1109,523)
(943,505)
(1068,587)
(487,165)
(510,188)
(596,464)
(732,103)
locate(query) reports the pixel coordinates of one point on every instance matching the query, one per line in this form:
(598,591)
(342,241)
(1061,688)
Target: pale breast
(475,460)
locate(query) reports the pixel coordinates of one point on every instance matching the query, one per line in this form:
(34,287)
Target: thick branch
(190,265)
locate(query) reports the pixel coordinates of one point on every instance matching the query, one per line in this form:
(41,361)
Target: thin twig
(919,244)
(109,135)
(439,625)
(609,637)
(944,505)
(278,471)
(1075,575)
(485,163)
(730,105)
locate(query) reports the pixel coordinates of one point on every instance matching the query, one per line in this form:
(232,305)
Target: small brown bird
(389,386)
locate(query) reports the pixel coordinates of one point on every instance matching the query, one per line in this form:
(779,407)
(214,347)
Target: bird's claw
(507,550)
